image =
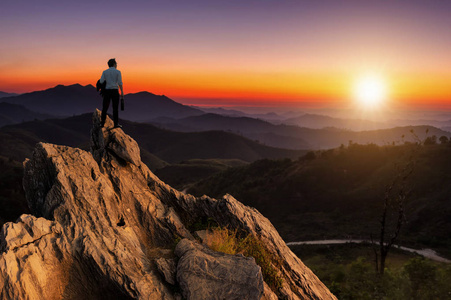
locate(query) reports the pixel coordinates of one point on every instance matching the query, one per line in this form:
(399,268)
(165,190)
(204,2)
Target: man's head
(112,62)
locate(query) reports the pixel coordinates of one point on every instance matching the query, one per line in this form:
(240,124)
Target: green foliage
(349,272)
(223,240)
(423,279)
(177,239)
(227,241)
(430,140)
(203,223)
(185,173)
(250,246)
(444,139)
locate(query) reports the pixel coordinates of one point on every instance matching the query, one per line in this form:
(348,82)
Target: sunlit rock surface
(105,227)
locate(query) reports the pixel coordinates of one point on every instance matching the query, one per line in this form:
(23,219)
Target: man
(113,78)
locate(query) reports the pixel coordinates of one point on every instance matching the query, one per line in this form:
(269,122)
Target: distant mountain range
(60,100)
(145,106)
(255,129)
(314,121)
(75,99)
(13,114)
(295,137)
(307,131)
(270,116)
(158,146)
(320,121)
(4,94)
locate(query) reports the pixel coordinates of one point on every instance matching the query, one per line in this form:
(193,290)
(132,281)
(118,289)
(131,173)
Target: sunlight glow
(370,91)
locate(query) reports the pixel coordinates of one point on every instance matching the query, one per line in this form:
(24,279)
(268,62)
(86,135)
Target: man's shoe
(118,126)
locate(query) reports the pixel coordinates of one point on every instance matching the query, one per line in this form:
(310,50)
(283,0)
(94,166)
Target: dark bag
(100,87)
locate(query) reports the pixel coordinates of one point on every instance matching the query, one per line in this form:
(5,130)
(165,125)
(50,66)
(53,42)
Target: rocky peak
(103,226)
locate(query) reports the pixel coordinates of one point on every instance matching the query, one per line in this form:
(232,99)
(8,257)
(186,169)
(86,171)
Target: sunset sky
(232,52)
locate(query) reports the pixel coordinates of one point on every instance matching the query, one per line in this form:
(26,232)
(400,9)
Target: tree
(393,215)
(443,139)
(431,140)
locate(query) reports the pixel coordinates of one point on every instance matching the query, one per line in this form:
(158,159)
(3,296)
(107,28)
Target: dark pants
(114,96)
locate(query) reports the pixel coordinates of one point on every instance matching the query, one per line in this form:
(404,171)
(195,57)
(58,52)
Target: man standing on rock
(113,78)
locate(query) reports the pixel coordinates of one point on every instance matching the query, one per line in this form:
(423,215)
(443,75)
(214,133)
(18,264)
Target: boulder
(206,274)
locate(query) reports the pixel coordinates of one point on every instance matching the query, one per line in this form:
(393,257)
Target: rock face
(104,227)
(206,274)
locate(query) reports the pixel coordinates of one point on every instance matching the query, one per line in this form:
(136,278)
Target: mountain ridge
(167,145)
(14,114)
(77,99)
(295,137)
(5,94)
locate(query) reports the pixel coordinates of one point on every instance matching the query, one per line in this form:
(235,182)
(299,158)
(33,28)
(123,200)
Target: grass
(229,242)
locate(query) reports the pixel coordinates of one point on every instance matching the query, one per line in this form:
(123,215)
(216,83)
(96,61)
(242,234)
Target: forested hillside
(339,193)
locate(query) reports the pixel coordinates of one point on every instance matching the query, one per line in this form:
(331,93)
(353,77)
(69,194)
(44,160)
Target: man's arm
(119,83)
(122,90)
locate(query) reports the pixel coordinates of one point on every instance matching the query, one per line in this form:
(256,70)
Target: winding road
(428,253)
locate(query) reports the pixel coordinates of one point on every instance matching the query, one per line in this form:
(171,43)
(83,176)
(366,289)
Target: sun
(370,91)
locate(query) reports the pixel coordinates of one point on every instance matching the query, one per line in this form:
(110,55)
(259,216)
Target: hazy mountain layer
(13,114)
(167,145)
(294,137)
(4,94)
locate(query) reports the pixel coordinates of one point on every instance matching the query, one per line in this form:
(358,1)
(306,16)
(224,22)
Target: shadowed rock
(103,226)
(206,274)
(167,268)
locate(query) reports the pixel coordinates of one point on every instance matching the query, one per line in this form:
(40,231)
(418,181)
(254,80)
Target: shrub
(228,241)
(222,240)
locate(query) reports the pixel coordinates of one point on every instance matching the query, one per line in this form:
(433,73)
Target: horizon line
(262,102)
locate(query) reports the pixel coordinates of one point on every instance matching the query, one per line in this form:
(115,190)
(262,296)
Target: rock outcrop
(103,226)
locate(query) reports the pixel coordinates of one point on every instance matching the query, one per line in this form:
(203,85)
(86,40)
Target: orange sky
(219,53)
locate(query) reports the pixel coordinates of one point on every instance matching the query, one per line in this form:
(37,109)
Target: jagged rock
(202,235)
(101,220)
(28,229)
(206,274)
(167,268)
(113,140)
(268,294)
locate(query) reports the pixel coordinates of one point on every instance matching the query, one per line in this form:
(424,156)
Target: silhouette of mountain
(76,99)
(443,124)
(321,121)
(269,116)
(222,111)
(295,137)
(272,135)
(13,114)
(220,122)
(19,140)
(60,100)
(4,94)
(145,106)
